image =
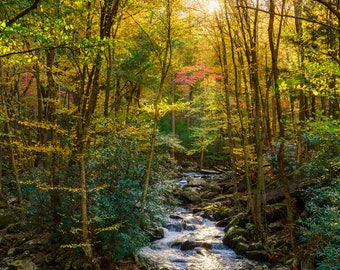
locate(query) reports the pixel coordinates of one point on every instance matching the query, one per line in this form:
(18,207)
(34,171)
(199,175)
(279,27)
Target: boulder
(241,247)
(275,211)
(196,182)
(188,245)
(235,220)
(191,195)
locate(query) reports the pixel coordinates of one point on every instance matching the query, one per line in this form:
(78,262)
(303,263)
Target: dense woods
(103,102)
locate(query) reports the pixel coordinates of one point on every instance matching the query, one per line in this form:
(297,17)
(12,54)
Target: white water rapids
(192,243)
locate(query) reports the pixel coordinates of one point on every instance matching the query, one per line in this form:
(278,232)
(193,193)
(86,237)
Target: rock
(235,220)
(307,266)
(232,242)
(258,255)
(188,245)
(11,252)
(223,222)
(206,171)
(191,195)
(156,234)
(203,252)
(261,267)
(276,225)
(255,246)
(196,182)
(281,267)
(24,264)
(213,187)
(275,212)
(241,247)
(209,195)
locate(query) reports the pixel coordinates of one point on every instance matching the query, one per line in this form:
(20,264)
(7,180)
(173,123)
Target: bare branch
(293,17)
(23,13)
(330,7)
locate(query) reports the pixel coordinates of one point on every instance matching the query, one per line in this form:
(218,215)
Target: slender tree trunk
(165,62)
(109,69)
(173,117)
(274,48)
(224,67)
(52,118)
(11,151)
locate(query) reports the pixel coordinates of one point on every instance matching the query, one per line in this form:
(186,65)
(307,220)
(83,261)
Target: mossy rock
(224,212)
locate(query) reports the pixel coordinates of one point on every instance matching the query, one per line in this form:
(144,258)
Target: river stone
(241,247)
(232,242)
(234,231)
(223,222)
(188,245)
(191,195)
(235,220)
(196,182)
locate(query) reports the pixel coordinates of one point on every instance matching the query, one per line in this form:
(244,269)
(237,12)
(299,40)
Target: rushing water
(192,243)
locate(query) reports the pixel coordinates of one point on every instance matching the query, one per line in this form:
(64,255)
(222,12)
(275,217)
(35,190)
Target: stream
(192,243)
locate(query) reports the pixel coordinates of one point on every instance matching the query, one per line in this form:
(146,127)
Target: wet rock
(235,220)
(188,245)
(156,234)
(223,222)
(241,247)
(232,242)
(203,252)
(196,182)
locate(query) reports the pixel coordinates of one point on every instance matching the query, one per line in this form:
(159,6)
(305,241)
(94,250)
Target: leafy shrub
(321,228)
(117,170)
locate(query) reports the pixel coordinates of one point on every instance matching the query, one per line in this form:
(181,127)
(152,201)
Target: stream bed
(192,243)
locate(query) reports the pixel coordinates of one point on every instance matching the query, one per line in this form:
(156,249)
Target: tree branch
(23,13)
(294,17)
(330,7)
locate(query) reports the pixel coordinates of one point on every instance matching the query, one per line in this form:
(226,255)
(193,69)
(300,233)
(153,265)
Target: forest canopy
(103,100)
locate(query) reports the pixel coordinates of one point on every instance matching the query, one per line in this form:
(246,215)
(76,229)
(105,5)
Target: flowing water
(192,243)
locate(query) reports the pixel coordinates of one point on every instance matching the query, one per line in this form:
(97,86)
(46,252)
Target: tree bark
(274,48)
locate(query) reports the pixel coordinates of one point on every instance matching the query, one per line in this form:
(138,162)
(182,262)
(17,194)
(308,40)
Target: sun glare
(212,6)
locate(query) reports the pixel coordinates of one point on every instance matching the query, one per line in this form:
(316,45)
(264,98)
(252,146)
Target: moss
(224,212)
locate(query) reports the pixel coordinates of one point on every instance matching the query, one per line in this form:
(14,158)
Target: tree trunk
(274,48)
(224,67)
(165,62)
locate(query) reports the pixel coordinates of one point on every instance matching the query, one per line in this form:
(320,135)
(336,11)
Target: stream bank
(210,194)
